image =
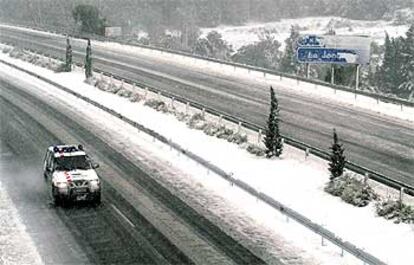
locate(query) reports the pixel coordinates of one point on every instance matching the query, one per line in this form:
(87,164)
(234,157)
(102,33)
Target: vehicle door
(49,166)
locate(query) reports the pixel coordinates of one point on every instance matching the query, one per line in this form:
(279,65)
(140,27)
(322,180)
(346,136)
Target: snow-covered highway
(378,142)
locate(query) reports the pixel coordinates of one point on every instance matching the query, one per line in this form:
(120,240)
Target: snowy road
(114,232)
(380,143)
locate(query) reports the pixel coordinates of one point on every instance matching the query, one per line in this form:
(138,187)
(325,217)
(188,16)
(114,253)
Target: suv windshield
(72,162)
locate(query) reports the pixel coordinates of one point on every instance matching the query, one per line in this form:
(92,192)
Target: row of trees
(396,73)
(202,13)
(67,66)
(273,140)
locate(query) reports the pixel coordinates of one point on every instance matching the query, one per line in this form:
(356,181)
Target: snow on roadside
(238,36)
(16,246)
(291,180)
(322,93)
(236,212)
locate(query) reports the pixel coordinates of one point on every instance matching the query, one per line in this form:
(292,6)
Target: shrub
(6,50)
(351,190)
(256,150)
(395,210)
(224,133)
(124,93)
(156,104)
(212,129)
(135,97)
(197,121)
(237,138)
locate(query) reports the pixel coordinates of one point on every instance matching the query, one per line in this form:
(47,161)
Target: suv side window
(49,161)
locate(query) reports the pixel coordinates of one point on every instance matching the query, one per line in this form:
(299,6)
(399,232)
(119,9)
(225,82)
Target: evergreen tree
(68,60)
(407,67)
(337,164)
(389,76)
(88,61)
(273,140)
(288,63)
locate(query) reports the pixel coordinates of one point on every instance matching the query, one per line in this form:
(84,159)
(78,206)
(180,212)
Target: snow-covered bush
(135,97)
(124,93)
(156,104)
(197,121)
(181,116)
(351,189)
(224,132)
(395,210)
(256,150)
(237,138)
(211,129)
(6,50)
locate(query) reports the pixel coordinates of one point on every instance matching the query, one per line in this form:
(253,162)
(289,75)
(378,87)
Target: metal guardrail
(381,178)
(344,245)
(376,96)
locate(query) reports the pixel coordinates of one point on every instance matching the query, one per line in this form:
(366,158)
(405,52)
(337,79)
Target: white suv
(71,174)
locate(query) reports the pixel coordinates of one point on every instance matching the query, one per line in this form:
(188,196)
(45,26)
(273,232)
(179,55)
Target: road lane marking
(122,215)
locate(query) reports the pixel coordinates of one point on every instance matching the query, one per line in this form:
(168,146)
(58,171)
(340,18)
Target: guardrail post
(307,153)
(220,120)
(203,112)
(264,74)
(101,76)
(159,95)
(401,196)
(146,93)
(401,106)
(239,127)
(259,136)
(342,252)
(322,241)
(111,80)
(134,86)
(172,102)
(122,83)
(366,177)
(280,77)
(187,107)
(297,81)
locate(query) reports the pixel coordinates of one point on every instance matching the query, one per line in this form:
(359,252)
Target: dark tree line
(396,73)
(201,13)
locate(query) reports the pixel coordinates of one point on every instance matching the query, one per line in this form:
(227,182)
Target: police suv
(71,175)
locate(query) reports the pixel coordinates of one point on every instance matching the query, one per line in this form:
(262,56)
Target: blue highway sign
(327,55)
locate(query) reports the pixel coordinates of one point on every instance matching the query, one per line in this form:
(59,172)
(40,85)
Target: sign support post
(358,66)
(332,74)
(307,70)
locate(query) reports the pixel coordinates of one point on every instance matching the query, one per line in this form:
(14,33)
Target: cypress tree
(68,61)
(337,158)
(273,140)
(88,61)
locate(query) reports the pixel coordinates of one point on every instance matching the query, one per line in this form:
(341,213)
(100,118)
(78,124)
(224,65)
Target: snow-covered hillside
(238,36)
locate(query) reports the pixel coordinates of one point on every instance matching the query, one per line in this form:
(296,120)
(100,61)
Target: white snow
(238,36)
(323,93)
(291,180)
(16,245)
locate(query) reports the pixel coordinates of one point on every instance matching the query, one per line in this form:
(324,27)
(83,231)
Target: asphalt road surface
(382,144)
(114,232)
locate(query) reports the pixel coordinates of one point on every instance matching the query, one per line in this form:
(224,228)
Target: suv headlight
(94,185)
(62,185)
